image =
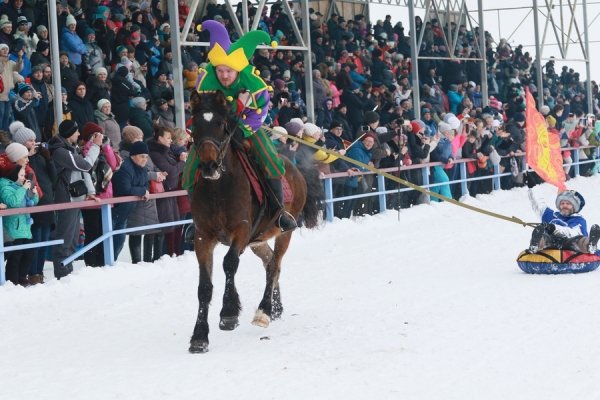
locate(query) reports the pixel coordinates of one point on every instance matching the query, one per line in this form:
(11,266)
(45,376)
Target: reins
(401,181)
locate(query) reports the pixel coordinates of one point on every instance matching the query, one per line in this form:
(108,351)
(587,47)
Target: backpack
(101,174)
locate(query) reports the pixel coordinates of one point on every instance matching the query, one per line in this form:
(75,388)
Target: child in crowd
(17,191)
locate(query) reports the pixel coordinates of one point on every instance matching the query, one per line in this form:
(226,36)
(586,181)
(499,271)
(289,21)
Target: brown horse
(225,210)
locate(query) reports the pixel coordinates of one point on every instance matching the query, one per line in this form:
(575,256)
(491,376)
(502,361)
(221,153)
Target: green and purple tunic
(250,120)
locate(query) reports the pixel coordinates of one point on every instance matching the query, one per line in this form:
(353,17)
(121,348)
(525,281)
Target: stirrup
(286,222)
(189,234)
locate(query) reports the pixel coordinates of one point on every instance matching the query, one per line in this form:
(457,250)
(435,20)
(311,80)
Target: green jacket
(14,196)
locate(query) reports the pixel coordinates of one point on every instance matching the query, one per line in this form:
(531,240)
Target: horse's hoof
(198,346)
(229,323)
(261,319)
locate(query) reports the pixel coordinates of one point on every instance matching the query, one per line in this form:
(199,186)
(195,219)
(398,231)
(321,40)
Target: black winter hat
(136,148)
(371,117)
(67,128)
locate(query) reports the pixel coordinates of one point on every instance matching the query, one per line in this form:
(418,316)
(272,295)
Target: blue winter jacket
(73,45)
(15,196)
(357,152)
(130,179)
(572,221)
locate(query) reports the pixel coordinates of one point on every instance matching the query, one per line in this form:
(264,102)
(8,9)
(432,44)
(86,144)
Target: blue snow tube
(556,261)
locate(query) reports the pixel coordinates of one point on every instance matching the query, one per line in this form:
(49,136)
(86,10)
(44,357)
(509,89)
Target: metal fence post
(463,176)
(425,174)
(109,250)
(575,162)
(496,178)
(328,199)
(381,186)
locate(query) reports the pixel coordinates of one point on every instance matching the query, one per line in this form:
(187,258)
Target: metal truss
(565,26)
(198,7)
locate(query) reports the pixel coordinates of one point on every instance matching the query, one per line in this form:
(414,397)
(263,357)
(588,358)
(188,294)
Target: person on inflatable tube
(564,228)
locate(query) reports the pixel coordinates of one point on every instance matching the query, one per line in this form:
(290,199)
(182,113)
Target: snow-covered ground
(429,304)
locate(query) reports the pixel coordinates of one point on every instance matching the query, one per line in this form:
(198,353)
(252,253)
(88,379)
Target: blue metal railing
(463,180)
(106,211)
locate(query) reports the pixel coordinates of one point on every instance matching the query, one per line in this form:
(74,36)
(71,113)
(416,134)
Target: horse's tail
(314,196)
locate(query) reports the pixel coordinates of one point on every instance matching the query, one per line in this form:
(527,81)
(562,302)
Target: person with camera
(74,183)
(43,176)
(17,191)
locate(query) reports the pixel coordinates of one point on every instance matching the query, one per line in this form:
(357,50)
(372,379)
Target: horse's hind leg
(231,300)
(270,306)
(204,254)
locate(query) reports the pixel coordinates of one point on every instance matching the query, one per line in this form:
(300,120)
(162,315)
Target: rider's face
(226,75)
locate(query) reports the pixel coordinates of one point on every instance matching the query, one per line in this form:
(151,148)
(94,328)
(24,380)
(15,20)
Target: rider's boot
(285,221)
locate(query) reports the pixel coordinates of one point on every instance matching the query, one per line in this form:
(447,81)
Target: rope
(389,176)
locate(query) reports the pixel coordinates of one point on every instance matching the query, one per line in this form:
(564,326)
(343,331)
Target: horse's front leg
(270,306)
(204,254)
(231,300)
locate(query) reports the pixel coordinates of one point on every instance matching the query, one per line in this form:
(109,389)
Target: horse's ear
(195,99)
(220,98)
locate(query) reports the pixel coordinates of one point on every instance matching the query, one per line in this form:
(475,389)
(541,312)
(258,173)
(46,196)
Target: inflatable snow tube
(554,261)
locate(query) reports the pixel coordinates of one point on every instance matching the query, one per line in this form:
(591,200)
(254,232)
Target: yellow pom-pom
(229,98)
(274,44)
(256,72)
(199,27)
(270,88)
(243,116)
(259,111)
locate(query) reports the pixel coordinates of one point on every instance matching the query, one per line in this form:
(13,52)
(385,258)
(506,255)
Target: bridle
(221,146)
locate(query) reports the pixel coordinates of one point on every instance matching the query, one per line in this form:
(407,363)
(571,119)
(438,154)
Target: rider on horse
(230,72)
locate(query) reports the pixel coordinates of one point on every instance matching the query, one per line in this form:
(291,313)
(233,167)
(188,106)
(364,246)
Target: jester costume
(251,114)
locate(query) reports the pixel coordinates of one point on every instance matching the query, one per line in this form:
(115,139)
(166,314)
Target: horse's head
(212,128)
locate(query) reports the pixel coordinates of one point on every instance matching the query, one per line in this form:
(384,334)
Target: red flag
(543,148)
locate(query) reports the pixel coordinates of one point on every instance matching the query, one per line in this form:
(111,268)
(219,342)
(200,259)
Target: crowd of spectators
(116,71)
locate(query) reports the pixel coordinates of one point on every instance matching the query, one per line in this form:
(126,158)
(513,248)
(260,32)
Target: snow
(427,304)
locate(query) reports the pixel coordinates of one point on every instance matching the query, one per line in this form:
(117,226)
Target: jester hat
(233,55)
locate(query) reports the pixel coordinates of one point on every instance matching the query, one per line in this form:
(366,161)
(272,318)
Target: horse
(225,210)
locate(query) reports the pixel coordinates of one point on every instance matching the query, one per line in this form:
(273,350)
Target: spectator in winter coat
(106,120)
(41,54)
(130,180)
(39,86)
(8,68)
(17,191)
(73,184)
(95,57)
(165,160)
(25,108)
(18,53)
(139,117)
(82,108)
(564,228)
(72,43)
(145,213)
(361,151)
(44,176)
(325,114)
(98,85)
(101,173)
(68,73)
(122,91)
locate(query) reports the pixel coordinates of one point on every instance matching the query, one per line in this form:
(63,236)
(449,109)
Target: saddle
(269,204)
